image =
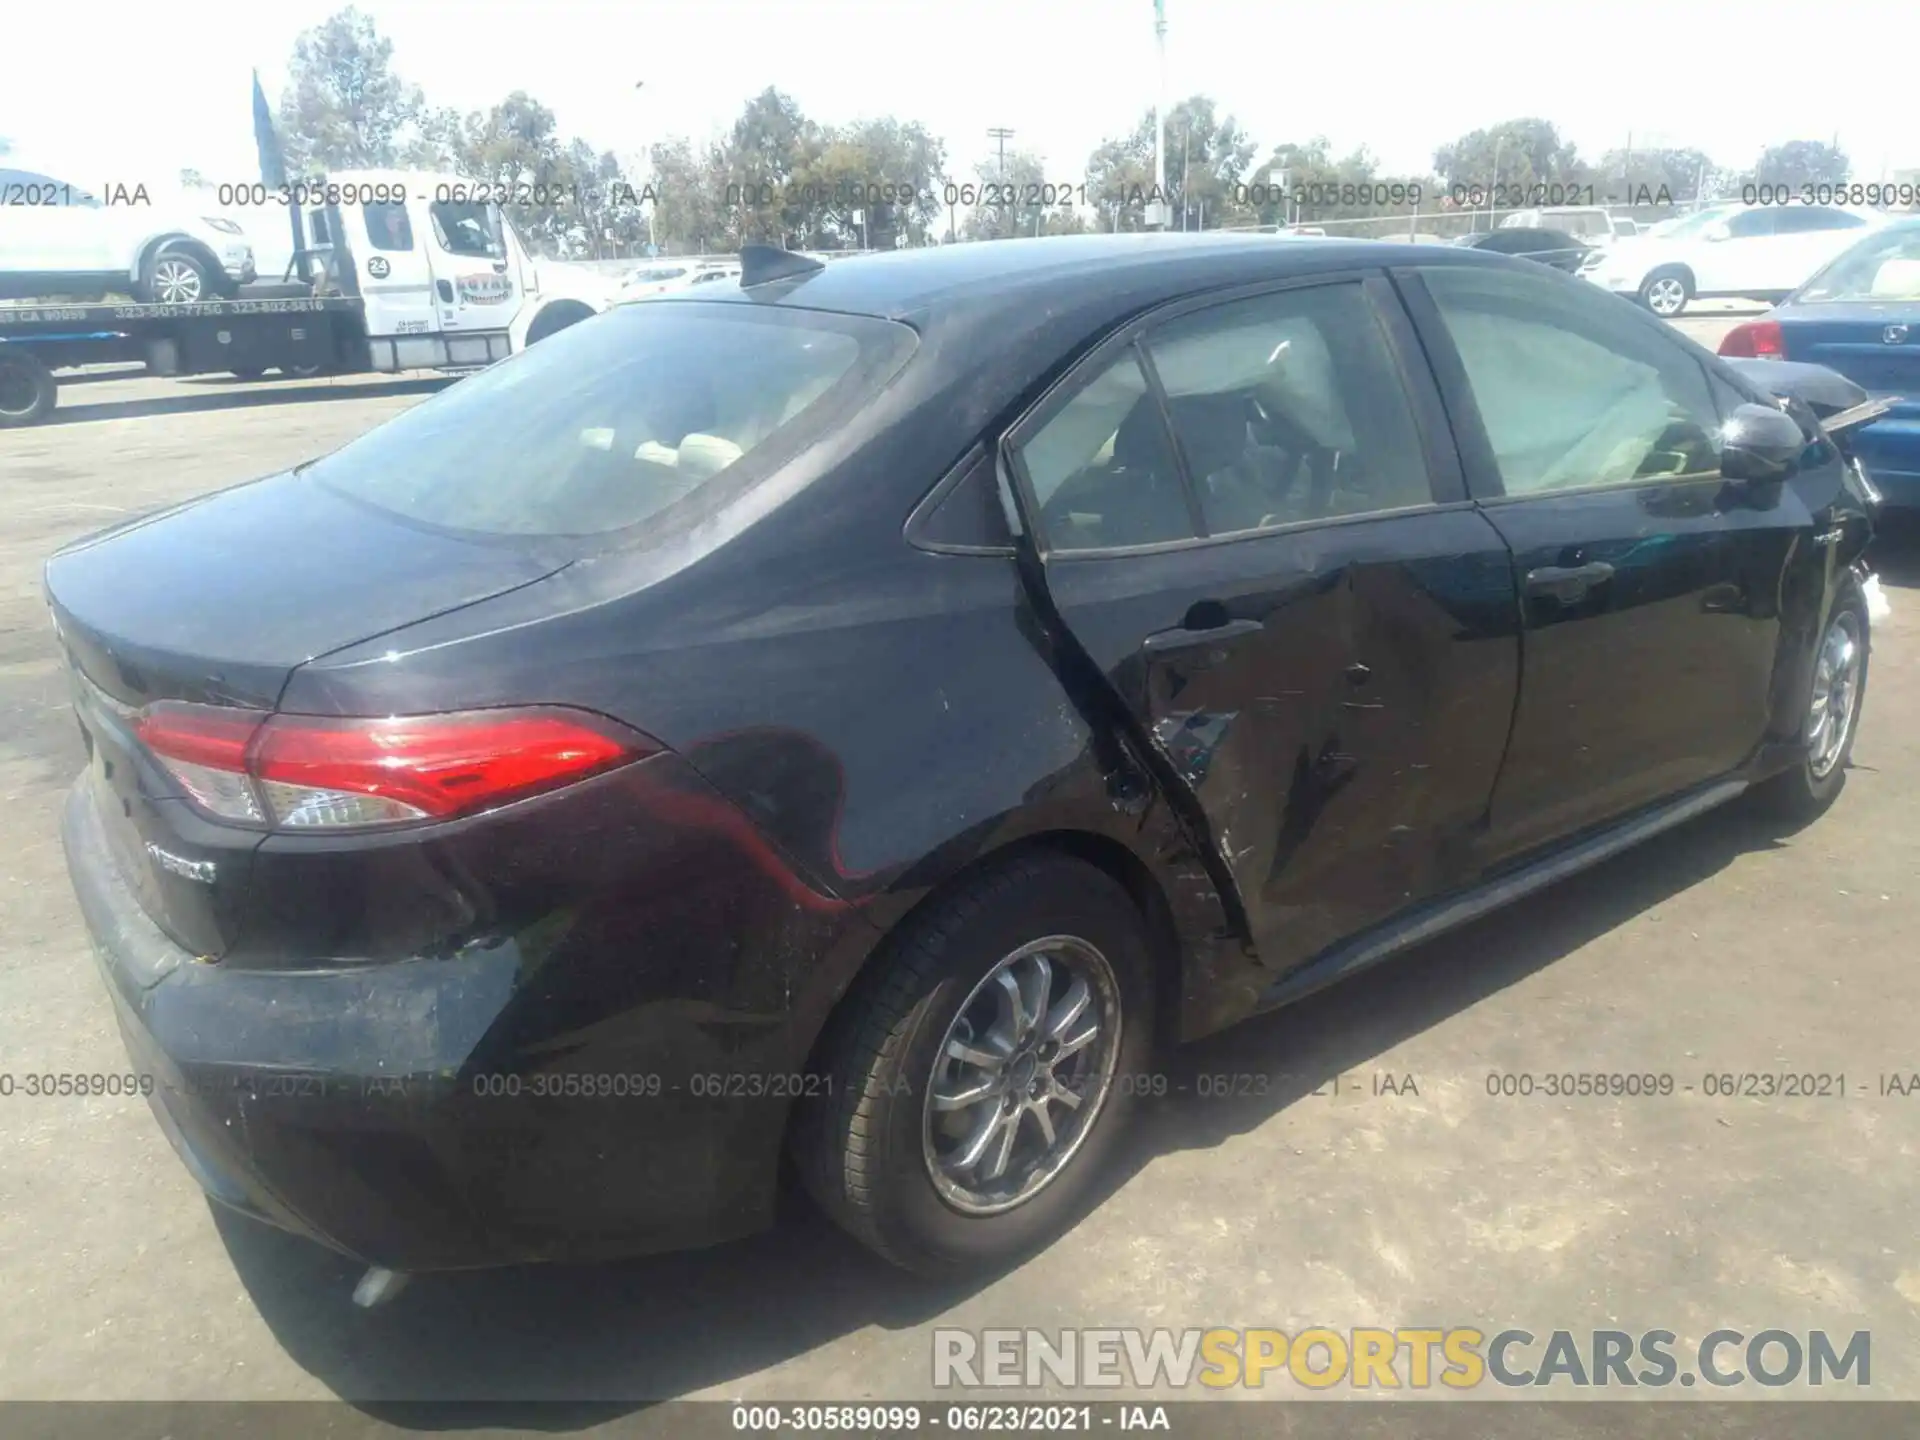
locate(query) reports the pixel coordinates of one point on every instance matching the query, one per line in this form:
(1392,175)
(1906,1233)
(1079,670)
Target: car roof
(1087,272)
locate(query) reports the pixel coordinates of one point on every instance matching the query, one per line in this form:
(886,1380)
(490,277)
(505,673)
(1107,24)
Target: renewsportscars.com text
(1459,1358)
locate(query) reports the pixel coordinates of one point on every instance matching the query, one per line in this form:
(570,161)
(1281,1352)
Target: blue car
(1860,315)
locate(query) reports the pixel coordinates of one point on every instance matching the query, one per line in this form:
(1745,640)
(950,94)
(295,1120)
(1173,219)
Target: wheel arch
(153,244)
(556,315)
(1670,267)
(1105,853)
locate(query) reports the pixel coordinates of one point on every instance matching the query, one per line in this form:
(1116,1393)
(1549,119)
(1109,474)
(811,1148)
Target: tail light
(311,772)
(1755,340)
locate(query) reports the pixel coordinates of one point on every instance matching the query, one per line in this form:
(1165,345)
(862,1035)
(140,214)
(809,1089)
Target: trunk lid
(1877,346)
(217,602)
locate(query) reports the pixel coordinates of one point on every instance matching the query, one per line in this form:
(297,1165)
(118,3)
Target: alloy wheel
(1666,296)
(176,280)
(1836,693)
(1021,1075)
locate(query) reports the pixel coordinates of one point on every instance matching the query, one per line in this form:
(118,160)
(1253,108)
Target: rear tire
(1666,291)
(883,1160)
(27,388)
(1839,683)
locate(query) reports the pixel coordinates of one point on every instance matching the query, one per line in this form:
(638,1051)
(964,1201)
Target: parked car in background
(1758,252)
(856,714)
(1591,224)
(1550,247)
(59,240)
(661,279)
(1860,315)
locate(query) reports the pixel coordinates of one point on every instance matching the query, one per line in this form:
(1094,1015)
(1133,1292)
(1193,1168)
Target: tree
(517,144)
(1678,172)
(689,205)
(344,107)
(1305,183)
(1802,162)
(771,144)
(1207,159)
(888,172)
(1512,154)
(1007,202)
(1120,183)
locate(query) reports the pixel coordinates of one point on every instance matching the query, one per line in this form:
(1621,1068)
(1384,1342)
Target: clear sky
(98,89)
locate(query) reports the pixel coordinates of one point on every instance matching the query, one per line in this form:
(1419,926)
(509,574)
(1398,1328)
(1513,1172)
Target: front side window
(646,414)
(1573,389)
(1751,224)
(388,226)
(1289,408)
(465,227)
(1101,469)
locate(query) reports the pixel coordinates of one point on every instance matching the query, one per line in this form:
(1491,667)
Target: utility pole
(1157,210)
(1001,134)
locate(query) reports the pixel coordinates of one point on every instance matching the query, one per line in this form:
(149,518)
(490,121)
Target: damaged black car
(857,714)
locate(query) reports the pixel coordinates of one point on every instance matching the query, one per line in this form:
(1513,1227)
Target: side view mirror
(1760,444)
(1717,233)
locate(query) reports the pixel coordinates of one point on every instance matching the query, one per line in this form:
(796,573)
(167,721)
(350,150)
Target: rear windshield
(1885,266)
(619,420)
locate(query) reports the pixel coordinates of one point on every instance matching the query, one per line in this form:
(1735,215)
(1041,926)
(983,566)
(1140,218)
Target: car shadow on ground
(220,395)
(565,1348)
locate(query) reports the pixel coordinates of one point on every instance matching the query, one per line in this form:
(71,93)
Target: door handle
(1170,642)
(1568,583)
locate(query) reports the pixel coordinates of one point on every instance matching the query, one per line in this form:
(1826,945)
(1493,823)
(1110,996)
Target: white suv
(60,241)
(1759,252)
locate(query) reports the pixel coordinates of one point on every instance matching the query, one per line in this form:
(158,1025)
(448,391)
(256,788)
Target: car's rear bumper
(447,1111)
(1890,451)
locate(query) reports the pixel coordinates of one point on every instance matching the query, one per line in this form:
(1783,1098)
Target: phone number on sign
(1871,194)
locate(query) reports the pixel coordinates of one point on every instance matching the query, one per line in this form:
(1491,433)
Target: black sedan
(857,715)
(1548,247)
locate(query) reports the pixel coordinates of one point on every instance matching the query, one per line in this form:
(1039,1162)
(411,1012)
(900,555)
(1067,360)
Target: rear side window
(1102,471)
(388,227)
(1288,408)
(648,414)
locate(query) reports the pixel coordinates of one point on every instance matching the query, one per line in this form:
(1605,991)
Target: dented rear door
(1250,520)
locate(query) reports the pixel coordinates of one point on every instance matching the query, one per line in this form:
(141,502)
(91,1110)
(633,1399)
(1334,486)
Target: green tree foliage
(1307,184)
(1513,153)
(344,107)
(1677,172)
(783,176)
(1014,201)
(1801,162)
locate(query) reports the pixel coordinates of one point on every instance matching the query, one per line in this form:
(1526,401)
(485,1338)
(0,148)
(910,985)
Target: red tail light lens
(1755,340)
(306,772)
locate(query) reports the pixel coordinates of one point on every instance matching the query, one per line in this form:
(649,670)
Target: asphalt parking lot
(1722,947)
